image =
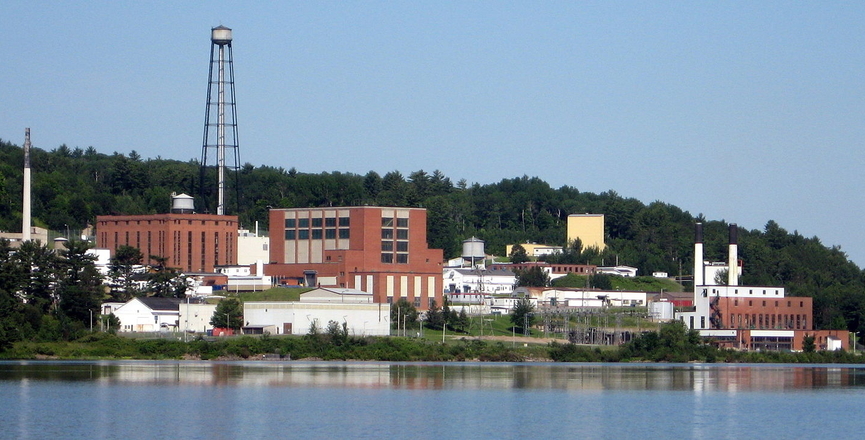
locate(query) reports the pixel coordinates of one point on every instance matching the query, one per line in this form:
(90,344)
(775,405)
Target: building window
(416,301)
(402,258)
(316,233)
(330,222)
(343,233)
(387,246)
(402,246)
(289,234)
(316,222)
(402,234)
(303,223)
(290,223)
(387,258)
(387,222)
(402,223)
(330,233)
(387,234)
(344,221)
(303,234)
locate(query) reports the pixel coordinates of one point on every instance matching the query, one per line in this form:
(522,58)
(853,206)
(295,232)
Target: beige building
(589,228)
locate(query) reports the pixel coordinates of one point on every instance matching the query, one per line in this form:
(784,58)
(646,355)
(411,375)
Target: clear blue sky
(742,111)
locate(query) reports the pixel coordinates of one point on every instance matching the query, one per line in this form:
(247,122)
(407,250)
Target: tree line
(71,186)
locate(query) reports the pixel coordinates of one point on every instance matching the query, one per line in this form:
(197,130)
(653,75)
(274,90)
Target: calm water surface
(318,400)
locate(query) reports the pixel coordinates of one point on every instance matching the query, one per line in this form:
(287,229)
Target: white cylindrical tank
(473,248)
(661,310)
(182,204)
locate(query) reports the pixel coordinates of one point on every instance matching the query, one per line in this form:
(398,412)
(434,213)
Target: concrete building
(380,250)
(296,318)
(589,228)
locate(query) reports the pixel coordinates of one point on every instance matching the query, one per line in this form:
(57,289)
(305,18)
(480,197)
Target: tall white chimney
(733,264)
(25,212)
(699,270)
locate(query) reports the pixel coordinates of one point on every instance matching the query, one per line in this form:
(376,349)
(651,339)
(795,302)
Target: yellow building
(589,228)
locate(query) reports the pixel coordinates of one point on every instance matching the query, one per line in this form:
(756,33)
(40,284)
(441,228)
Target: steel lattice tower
(220,83)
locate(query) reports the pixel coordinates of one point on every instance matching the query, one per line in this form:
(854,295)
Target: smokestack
(698,256)
(733,264)
(25,214)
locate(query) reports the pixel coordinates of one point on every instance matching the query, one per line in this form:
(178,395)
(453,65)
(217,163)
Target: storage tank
(473,250)
(661,310)
(182,204)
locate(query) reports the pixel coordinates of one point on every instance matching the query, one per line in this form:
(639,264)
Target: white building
(252,247)
(492,280)
(622,271)
(336,295)
(241,278)
(149,314)
(290,317)
(593,298)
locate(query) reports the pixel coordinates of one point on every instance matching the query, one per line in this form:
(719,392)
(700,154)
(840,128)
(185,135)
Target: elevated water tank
(473,249)
(182,204)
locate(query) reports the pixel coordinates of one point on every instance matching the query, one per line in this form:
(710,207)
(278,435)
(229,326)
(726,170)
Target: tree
(403,312)
(228,314)
(434,317)
(121,269)
(808,345)
(532,277)
(522,315)
(518,254)
(79,285)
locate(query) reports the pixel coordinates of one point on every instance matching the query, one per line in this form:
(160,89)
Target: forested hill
(72,186)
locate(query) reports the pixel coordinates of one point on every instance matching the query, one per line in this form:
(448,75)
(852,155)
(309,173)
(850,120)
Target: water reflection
(472,376)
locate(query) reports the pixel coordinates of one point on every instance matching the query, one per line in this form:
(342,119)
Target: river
(381,400)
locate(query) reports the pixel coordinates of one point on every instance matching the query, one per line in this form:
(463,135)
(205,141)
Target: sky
(741,111)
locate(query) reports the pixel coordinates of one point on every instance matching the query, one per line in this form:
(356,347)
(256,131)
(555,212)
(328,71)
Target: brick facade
(380,250)
(190,242)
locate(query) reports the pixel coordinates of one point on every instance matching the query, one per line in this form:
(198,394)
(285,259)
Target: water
(313,400)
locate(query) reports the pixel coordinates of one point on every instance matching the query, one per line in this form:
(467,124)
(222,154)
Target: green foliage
(228,314)
(403,314)
(808,345)
(522,315)
(518,254)
(534,276)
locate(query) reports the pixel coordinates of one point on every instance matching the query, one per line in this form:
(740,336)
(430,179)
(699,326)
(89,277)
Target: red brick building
(191,242)
(379,250)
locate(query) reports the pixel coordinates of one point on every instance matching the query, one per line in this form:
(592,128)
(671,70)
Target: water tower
(473,250)
(220,133)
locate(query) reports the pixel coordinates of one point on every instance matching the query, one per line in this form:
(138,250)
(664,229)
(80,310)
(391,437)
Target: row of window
(317,222)
(387,222)
(387,257)
(751,303)
(316,234)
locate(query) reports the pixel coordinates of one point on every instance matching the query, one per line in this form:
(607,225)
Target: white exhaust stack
(733,264)
(25,214)
(698,256)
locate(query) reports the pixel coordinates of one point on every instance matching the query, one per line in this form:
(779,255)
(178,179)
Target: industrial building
(751,317)
(379,250)
(190,241)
